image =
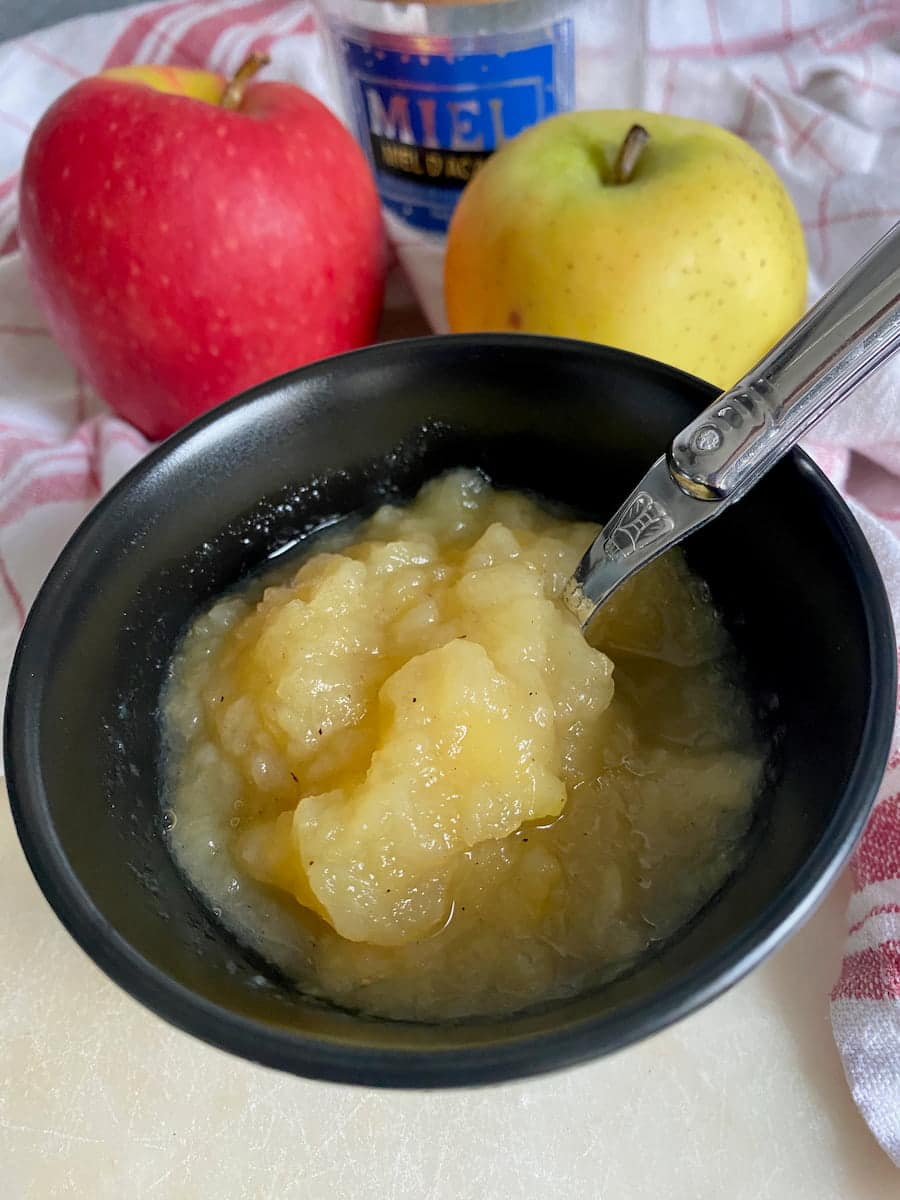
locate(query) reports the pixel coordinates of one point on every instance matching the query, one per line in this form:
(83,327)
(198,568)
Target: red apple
(183,250)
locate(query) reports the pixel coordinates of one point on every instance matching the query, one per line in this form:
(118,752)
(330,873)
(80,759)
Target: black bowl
(788,567)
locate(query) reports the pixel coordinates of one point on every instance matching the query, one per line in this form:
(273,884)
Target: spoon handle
(732,444)
(852,329)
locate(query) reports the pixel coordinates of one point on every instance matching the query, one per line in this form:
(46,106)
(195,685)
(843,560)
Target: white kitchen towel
(813,84)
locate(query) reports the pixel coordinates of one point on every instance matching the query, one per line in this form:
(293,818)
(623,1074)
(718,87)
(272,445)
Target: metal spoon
(716,459)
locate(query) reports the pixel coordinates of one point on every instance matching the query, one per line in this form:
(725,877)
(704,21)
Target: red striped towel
(815,86)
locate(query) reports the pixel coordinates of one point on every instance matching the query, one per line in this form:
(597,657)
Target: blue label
(430,110)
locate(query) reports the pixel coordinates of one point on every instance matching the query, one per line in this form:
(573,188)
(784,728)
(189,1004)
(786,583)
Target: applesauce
(398,771)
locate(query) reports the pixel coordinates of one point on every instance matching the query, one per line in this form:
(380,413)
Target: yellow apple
(694,255)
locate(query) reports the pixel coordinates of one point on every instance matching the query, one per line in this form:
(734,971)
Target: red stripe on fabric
(264,43)
(877,911)
(306,24)
(789,72)
(870,974)
(714,27)
(770,139)
(863,214)
(795,128)
(24,438)
(786,18)
(733,46)
(10,244)
(669,85)
(82,452)
(808,130)
(129,438)
(14,445)
(127,44)
(8,184)
(875,31)
(32,467)
(94,479)
(24,330)
(87,436)
(51,489)
(869,85)
(24,429)
(819,41)
(823,219)
(80,400)
(15,121)
(193,47)
(12,591)
(878,856)
(868,66)
(45,56)
(63,448)
(743,126)
(199,41)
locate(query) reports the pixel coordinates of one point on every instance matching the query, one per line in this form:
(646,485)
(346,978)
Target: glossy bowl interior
(788,567)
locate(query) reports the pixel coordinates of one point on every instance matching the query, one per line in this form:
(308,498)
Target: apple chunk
(460,760)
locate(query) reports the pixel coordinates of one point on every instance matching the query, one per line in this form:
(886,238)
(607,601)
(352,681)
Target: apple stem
(234,89)
(630,152)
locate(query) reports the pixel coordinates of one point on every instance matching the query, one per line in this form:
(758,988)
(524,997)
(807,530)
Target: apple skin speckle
(202,207)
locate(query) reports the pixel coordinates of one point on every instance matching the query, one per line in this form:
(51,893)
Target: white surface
(99,1099)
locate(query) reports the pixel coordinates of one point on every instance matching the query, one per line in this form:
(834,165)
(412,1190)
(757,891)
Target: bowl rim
(509,1057)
